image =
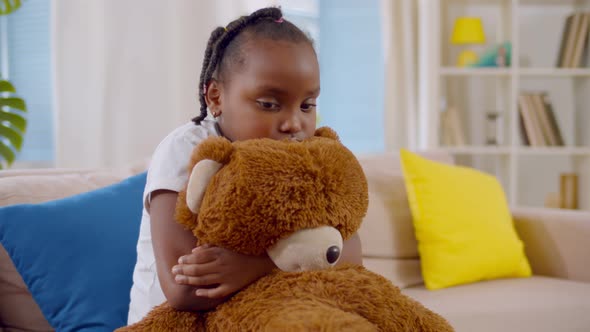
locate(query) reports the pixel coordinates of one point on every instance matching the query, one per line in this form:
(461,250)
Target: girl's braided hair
(224,48)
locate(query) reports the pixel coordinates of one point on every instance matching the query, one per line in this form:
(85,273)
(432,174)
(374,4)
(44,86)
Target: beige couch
(556,298)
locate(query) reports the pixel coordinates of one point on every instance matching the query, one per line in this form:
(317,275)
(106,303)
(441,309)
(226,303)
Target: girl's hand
(219,272)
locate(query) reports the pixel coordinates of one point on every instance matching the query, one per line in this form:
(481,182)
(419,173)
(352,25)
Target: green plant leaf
(14,137)
(9,6)
(6,86)
(6,153)
(13,124)
(13,102)
(15,120)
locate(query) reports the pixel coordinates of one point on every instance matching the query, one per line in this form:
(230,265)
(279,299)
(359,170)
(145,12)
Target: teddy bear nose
(332,254)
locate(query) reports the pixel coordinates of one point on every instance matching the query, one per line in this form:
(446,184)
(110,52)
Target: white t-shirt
(168,170)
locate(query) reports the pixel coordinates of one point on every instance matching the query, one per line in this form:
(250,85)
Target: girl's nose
(291,123)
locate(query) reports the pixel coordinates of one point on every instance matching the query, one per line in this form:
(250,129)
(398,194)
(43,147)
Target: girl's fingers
(196,270)
(205,280)
(199,255)
(214,293)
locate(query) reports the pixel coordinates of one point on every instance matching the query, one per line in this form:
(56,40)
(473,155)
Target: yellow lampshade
(468,30)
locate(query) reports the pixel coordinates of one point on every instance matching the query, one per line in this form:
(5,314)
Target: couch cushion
(87,285)
(38,188)
(18,310)
(556,241)
(401,272)
(463,224)
(511,305)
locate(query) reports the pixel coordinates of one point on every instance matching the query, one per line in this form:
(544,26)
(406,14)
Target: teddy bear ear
(200,177)
(215,148)
(327,132)
(210,155)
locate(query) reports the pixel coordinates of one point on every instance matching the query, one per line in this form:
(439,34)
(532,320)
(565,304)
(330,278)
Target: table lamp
(467,30)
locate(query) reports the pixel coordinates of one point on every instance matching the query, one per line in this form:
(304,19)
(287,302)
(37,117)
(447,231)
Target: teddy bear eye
(332,254)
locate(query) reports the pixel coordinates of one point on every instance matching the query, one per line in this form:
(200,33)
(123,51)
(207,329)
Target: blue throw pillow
(77,254)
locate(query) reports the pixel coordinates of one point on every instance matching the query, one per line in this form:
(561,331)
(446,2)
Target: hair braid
(221,38)
(203,79)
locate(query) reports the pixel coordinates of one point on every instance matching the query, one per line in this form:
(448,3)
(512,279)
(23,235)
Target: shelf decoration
(492,129)
(453,133)
(568,190)
(498,56)
(467,30)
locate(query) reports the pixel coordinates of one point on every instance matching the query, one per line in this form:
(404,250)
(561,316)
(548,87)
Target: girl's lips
(298,137)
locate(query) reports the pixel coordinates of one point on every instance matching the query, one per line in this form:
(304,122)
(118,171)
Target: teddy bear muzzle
(307,249)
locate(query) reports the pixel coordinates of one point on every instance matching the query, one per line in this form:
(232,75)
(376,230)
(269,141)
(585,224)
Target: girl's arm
(230,271)
(170,241)
(215,273)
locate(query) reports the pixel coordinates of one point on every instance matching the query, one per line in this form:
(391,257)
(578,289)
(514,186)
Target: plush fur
(265,191)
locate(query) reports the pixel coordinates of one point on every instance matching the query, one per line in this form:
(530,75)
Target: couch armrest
(556,241)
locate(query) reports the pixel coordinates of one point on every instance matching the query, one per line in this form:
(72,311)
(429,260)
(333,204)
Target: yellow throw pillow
(463,225)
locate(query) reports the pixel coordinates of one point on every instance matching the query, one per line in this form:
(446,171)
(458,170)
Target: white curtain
(126,73)
(399,45)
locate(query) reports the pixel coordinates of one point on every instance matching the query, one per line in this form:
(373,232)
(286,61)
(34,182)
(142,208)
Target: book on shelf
(549,137)
(552,118)
(531,129)
(565,46)
(522,129)
(537,120)
(452,127)
(574,40)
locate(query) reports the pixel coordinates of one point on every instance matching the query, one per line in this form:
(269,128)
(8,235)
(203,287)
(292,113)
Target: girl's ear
(210,156)
(213,96)
(327,132)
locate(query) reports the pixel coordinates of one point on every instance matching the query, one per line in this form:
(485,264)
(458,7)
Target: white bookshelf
(476,150)
(554,72)
(542,72)
(553,151)
(475,72)
(534,28)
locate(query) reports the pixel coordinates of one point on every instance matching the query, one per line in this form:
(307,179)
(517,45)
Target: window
(27,64)
(352,71)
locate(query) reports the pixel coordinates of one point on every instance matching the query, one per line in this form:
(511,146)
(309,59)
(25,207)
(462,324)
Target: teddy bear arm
(347,294)
(164,318)
(383,304)
(315,315)
(274,312)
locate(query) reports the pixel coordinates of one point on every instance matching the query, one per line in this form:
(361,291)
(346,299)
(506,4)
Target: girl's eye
(308,107)
(267,105)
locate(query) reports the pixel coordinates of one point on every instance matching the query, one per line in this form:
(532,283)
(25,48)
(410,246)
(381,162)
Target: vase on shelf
(492,128)
(568,190)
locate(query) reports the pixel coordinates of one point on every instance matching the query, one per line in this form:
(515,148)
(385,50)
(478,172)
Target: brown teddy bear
(295,201)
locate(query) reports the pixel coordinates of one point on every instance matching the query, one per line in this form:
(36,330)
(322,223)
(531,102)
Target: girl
(260,78)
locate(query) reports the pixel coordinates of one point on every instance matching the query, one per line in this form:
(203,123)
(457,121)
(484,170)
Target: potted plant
(13,124)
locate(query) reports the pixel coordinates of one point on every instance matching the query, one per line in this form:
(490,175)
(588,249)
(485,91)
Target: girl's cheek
(266,127)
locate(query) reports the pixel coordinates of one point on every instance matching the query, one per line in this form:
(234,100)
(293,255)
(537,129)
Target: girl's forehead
(266,57)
